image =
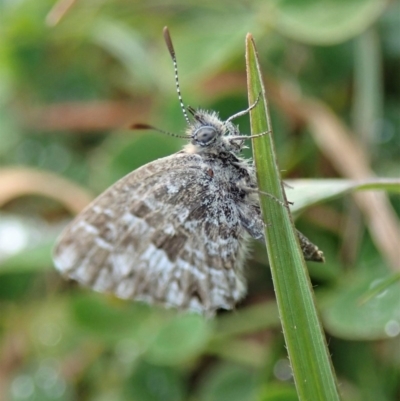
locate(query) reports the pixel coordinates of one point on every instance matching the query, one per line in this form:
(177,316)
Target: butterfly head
(209,134)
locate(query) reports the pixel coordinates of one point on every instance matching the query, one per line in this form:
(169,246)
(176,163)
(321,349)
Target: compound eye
(205,135)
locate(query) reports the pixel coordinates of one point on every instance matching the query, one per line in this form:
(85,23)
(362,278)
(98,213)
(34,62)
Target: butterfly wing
(167,233)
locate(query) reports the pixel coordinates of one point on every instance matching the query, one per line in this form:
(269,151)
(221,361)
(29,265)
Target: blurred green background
(75,74)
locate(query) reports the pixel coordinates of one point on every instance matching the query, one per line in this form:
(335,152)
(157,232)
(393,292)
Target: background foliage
(73,78)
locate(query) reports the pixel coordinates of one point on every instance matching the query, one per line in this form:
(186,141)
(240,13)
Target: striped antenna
(168,41)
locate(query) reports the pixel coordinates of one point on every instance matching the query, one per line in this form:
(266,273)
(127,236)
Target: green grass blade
(307,192)
(312,369)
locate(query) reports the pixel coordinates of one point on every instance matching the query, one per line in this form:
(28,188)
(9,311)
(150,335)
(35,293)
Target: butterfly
(175,231)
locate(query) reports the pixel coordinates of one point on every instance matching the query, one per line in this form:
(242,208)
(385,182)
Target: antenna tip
(168,41)
(140,126)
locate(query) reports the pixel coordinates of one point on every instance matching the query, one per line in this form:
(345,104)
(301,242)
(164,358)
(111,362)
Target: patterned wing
(167,233)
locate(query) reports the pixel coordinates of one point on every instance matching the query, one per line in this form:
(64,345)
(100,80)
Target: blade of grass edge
(308,353)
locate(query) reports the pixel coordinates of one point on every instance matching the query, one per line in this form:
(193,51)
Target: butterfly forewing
(166,233)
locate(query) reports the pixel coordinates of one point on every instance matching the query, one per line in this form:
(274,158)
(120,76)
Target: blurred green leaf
(322,22)
(228,383)
(275,392)
(112,319)
(128,47)
(248,320)
(155,383)
(15,285)
(304,193)
(360,363)
(347,314)
(29,260)
(379,288)
(182,339)
(242,352)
